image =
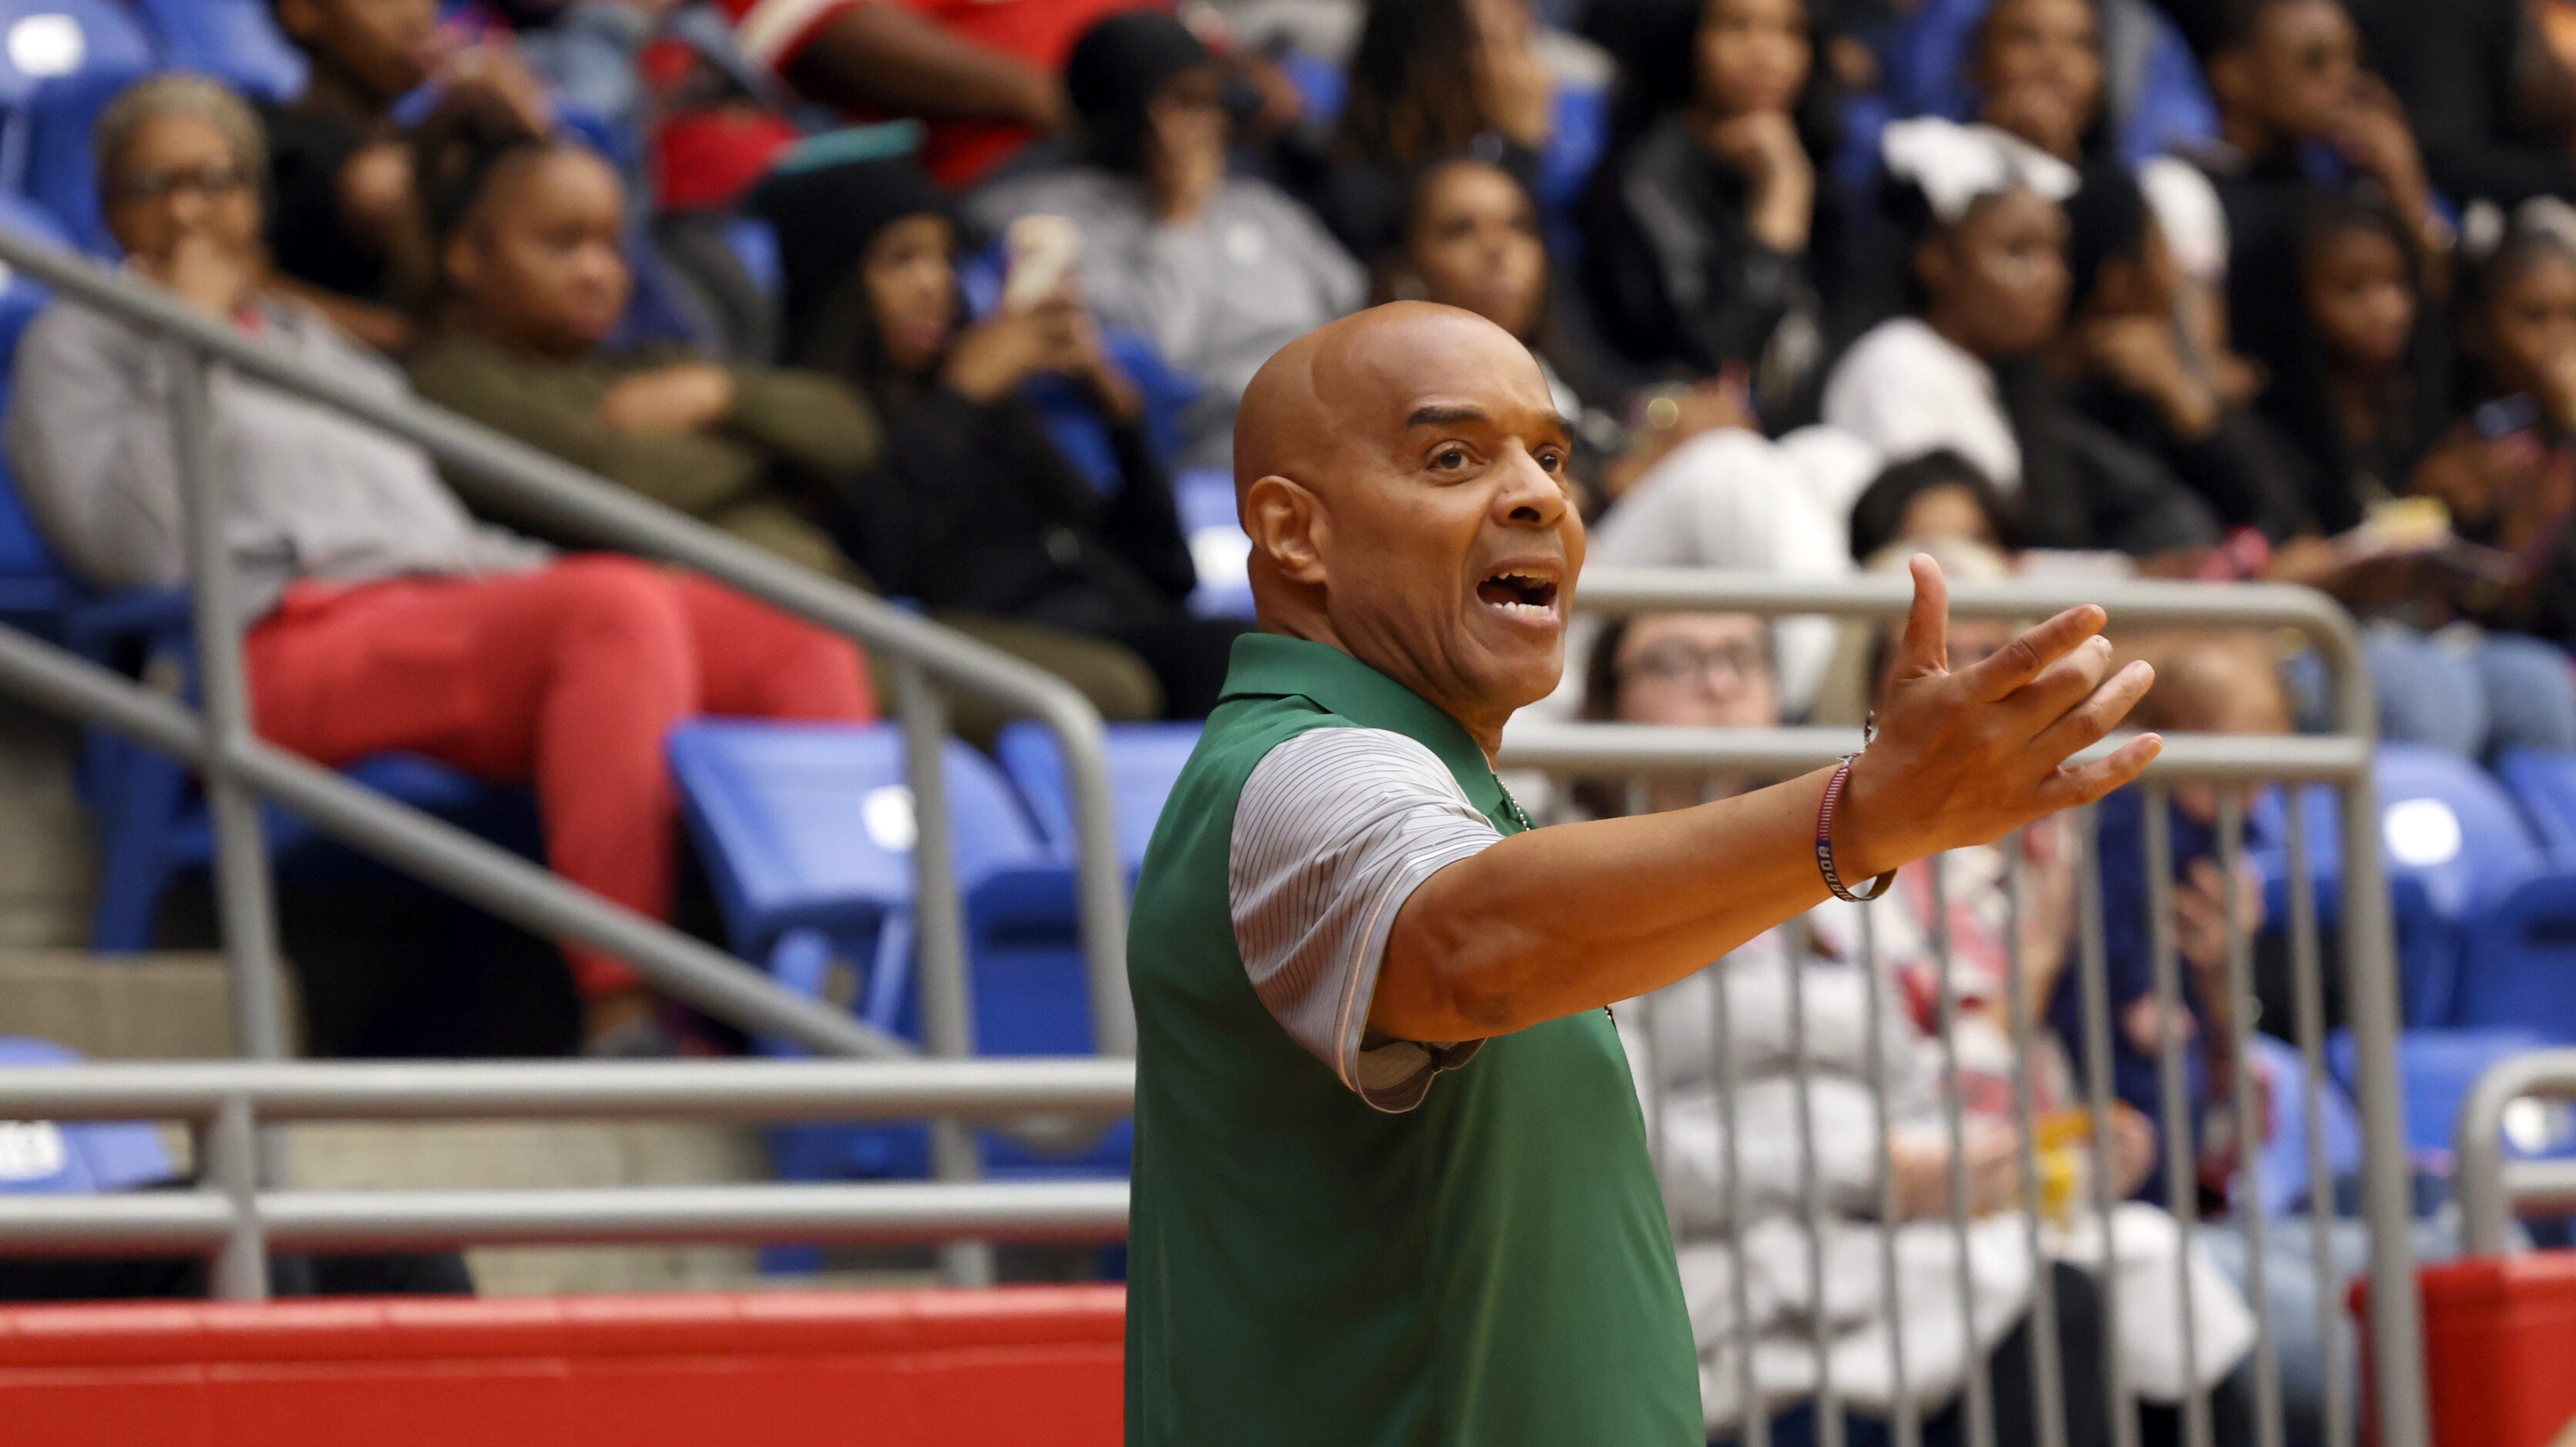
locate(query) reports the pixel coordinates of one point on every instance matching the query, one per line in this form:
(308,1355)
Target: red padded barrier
(2499,1338)
(1025,1366)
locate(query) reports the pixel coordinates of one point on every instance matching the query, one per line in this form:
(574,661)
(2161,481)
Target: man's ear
(1288,528)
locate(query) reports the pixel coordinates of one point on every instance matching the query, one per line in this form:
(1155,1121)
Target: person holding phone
(971,506)
(1216,270)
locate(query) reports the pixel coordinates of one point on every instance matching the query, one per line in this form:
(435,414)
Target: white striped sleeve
(1335,829)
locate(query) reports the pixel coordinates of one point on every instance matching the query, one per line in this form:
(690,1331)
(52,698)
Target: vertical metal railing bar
(2308,989)
(1799,938)
(1754,1418)
(2093,980)
(1976,1392)
(2174,1095)
(947,995)
(245,903)
(2249,1205)
(2048,1380)
(1905,1421)
(2370,1004)
(229,1146)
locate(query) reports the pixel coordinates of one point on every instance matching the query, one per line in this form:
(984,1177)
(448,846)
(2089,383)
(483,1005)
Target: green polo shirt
(1490,1267)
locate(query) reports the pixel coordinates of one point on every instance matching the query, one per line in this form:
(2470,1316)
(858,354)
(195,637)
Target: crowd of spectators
(945,298)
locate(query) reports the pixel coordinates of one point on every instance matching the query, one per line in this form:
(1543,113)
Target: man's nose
(1530,495)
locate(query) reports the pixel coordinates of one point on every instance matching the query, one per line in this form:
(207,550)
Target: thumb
(1925,647)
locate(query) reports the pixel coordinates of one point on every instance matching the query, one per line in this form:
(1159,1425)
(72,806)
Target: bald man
(1391,1180)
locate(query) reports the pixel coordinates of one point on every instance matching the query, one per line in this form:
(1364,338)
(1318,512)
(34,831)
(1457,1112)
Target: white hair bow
(1953,165)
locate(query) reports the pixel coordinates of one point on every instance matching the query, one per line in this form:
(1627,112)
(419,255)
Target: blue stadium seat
(2435,1070)
(150,815)
(1218,547)
(2284,1160)
(236,41)
(2543,782)
(74,1158)
(32,589)
(42,41)
(806,832)
(2518,961)
(58,171)
(1144,760)
(2454,846)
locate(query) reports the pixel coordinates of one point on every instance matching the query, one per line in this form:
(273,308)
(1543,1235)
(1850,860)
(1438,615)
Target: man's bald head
(1387,466)
(1317,391)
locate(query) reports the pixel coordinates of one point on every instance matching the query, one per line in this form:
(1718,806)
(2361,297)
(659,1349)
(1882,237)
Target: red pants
(569,678)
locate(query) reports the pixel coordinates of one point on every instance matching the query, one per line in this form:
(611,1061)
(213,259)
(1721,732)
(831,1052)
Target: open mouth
(1519,593)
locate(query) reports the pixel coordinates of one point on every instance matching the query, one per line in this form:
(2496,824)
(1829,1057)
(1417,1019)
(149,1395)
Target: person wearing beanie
(1216,270)
(971,506)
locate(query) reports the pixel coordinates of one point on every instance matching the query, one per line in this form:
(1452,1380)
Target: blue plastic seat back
(2453,843)
(813,823)
(2543,782)
(2518,961)
(1219,548)
(33,587)
(2435,1071)
(236,41)
(1144,761)
(2286,1178)
(74,1157)
(42,41)
(60,172)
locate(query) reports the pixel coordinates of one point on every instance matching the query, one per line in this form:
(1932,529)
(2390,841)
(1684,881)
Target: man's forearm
(1574,917)
(884,56)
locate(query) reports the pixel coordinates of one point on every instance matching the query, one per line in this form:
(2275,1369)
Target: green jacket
(1489,1269)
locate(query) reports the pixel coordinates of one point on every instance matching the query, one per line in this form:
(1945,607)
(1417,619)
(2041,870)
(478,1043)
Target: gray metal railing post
(2370,976)
(242,890)
(947,996)
(230,1147)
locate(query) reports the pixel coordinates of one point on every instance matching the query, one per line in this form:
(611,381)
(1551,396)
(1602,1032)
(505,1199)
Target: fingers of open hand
(2088,722)
(2078,784)
(2061,685)
(2022,660)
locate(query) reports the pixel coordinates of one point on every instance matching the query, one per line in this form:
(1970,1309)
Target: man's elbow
(1448,983)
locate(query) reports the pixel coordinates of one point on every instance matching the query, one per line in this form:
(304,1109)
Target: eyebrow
(1439,415)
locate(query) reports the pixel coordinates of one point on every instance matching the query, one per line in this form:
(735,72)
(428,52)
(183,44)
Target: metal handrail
(2494,1190)
(2343,758)
(589,507)
(232,1219)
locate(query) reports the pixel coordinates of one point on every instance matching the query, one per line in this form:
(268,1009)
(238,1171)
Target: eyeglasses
(1676,662)
(213,179)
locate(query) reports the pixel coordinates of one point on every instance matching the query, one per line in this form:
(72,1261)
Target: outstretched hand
(1963,758)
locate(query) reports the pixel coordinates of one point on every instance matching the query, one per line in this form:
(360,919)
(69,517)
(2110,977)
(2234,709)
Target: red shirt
(1040,32)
